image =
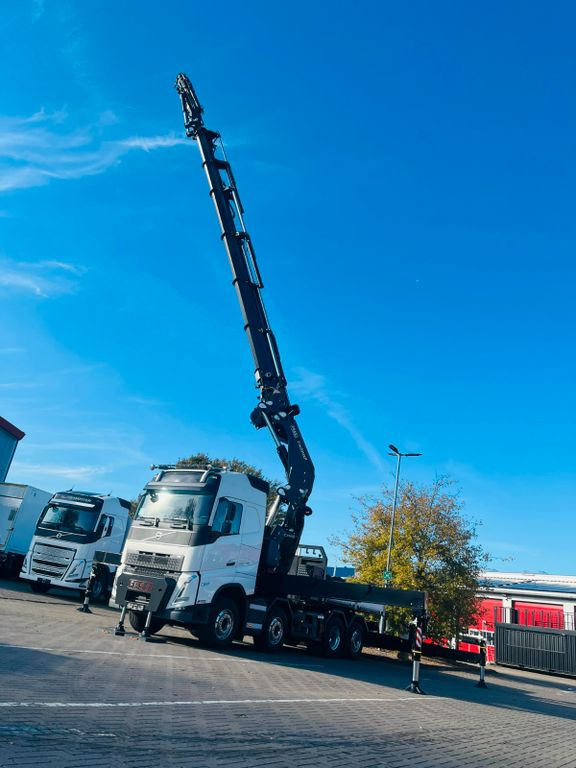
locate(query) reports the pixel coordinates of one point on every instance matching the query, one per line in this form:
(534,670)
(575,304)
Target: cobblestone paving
(72,694)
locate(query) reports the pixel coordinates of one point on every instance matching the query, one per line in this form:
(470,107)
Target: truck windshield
(68,519)
(179,509)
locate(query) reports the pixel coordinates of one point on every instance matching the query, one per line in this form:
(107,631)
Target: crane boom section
(274,409)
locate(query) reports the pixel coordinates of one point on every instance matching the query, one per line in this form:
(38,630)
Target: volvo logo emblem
(58,535)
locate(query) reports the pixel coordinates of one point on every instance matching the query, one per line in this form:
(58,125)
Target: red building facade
(528,599)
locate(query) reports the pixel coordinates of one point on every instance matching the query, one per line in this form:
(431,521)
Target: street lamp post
(399,457)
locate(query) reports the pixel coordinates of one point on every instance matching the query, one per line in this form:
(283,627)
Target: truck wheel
(137,621)
(100,588)
(39,587)
(273,633)
(334,638)
(222,625)
(354,640)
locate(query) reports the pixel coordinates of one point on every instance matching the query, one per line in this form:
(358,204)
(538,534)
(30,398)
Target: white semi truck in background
(20,508)
(72,526)
(204,551)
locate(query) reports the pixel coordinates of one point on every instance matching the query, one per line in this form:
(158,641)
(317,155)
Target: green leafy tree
(200,460)
(434,549)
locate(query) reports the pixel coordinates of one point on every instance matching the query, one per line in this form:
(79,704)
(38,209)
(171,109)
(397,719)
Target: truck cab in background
(71,528)
(20,508)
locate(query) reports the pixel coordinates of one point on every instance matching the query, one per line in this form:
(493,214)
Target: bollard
(482,665)
(416,636)
(85,607)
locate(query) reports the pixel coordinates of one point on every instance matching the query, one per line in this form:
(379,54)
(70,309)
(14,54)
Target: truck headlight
(77,571)
(183,593)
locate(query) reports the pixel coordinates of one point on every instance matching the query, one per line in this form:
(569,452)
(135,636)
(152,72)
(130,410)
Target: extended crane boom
(286,519)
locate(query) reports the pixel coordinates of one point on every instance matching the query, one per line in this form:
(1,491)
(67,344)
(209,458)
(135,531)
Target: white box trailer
(20,508)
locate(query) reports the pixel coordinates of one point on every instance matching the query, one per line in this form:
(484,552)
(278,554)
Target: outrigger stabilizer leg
(119,630)
(145,634)
(85,607)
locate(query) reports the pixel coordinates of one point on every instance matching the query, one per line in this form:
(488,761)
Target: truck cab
(196,538)
(72,526)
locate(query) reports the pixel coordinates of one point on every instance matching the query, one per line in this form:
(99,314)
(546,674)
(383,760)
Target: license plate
(44,581)
(141,586)
(136,606)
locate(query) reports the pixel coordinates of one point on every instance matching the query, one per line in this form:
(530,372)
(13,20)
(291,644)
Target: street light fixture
(399,457)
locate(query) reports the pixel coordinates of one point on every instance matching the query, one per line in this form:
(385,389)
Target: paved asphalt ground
(72,694)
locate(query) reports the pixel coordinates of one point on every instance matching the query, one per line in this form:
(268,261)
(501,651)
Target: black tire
(274,631)
(222,626)
(334,638)
(137,621)
(39,587)
(100,588)
(354,640)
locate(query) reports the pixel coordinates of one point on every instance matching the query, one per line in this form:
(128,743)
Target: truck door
(251,534)
(220,560)
(9,506)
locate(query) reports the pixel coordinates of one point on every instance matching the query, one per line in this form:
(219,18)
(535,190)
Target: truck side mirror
(105,526)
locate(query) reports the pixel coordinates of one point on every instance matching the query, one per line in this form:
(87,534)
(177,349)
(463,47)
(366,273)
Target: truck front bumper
(152,594)
(144,593)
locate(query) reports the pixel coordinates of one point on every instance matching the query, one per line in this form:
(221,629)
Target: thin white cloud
(44,279)
(19,386)
(121,453)
(145,401)
(58,116)
(75,269)
(57,471)
(37,149)
(313,387)
(148,143)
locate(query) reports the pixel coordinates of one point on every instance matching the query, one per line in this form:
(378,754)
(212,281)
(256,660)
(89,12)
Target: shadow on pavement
(507,689)
(453,681)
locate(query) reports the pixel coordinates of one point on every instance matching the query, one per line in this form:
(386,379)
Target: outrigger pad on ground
(151,639)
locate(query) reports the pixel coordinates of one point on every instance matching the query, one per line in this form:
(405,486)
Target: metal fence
(539,648)
(535,617)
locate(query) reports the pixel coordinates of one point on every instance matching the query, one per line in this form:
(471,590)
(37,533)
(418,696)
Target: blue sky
(408,178)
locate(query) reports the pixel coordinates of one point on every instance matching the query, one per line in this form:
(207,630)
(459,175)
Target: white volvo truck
(204,552)
(195,557)
(71,528)
(20,508)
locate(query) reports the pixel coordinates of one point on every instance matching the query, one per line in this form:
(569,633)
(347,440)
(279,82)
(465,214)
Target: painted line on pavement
(137,655)
(205,702)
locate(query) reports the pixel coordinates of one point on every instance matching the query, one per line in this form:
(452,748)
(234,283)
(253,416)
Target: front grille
(153,563)
(50,561)
(142,570)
